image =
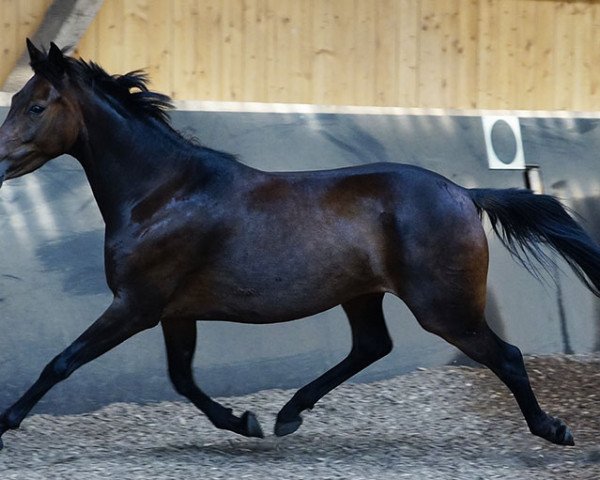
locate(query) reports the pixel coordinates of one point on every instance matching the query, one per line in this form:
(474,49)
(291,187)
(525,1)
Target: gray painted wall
(52,284)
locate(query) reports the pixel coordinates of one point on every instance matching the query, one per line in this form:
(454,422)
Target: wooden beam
(65,23)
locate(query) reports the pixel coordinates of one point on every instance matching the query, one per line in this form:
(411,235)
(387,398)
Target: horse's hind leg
(468,330)
(370,342)
(180,341)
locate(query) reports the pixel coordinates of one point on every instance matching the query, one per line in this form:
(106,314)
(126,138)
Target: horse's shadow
(368,448)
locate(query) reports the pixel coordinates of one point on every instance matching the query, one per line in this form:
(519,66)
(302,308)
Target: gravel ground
(445,423)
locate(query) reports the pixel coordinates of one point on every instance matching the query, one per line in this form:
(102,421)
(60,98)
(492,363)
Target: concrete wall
(52,284)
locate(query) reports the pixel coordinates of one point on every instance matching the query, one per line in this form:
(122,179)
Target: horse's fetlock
(9,421)
(182,388)
(221,417)
(300,403)
(225,422)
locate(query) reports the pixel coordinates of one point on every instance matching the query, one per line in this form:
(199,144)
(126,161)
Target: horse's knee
(58,369)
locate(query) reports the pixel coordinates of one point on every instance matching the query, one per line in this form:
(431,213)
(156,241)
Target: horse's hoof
(555,430)
(565,436)
(252,426)
(285,428)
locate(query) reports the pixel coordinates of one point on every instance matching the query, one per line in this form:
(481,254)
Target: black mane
(128,93)
(130,90)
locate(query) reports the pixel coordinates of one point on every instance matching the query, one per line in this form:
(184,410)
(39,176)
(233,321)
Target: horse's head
(43,121)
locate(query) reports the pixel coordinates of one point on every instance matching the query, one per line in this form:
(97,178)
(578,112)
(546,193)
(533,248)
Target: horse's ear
(52,66)
(56,58)
(35,54)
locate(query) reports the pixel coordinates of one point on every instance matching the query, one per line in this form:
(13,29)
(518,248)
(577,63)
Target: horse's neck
(127,161)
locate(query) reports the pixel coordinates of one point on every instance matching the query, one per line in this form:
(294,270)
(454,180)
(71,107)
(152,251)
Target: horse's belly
(281,268)
(271,291)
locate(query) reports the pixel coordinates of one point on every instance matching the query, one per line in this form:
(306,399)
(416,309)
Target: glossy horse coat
(192,234)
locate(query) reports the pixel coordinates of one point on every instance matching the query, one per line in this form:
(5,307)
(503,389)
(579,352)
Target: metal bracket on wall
(533,179)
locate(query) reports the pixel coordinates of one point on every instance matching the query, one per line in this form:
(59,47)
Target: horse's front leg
(180,340)
(119,322)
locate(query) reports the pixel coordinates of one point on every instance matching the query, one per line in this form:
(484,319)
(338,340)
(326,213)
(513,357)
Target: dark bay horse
(192,234)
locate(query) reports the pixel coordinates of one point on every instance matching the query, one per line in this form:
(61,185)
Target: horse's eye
(36,109)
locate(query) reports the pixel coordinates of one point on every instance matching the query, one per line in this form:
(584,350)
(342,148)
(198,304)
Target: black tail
(525,222)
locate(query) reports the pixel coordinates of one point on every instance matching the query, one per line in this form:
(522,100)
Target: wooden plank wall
(18,19)
(513,54)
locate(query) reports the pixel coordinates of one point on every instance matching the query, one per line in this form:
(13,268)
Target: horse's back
(381,227)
